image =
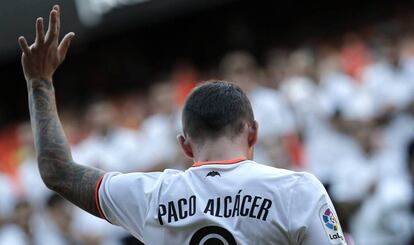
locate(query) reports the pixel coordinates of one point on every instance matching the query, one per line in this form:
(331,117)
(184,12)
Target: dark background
(156,35)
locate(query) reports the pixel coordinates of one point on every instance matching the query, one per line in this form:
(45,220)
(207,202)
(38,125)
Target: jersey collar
(231,161)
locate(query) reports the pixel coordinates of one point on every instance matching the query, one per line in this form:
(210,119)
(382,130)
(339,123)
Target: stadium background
(331,84)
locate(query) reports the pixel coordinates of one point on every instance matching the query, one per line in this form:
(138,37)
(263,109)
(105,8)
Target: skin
(59,172)
(221,148)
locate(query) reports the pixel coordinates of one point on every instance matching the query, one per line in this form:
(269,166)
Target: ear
(252,133)
(185,146)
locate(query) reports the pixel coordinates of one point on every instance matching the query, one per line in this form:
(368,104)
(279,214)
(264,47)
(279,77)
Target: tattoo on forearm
(57,168)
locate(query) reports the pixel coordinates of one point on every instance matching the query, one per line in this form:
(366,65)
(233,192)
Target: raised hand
(59,172)
(41,59)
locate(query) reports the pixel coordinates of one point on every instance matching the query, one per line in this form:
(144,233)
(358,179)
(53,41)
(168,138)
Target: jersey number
(212,235)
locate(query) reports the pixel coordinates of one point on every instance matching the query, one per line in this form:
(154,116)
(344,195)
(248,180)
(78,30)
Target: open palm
(41,59)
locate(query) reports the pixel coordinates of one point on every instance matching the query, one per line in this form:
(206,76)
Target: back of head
(216,109)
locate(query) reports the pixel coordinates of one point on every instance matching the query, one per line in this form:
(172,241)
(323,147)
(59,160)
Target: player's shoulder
(147,181)
(164,175)
(141,176)
(289,178)
(270,170)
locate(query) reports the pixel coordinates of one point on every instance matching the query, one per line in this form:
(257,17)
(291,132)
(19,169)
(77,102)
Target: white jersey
(223,202)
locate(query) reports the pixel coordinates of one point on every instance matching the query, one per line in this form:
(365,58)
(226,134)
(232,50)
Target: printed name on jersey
(331,225)
(224,207)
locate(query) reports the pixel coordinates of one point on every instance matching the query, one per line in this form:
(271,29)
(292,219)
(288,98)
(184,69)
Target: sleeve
(123,199)
(313,219)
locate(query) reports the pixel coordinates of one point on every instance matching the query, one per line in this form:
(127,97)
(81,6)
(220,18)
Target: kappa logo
(331,225)
(213,174)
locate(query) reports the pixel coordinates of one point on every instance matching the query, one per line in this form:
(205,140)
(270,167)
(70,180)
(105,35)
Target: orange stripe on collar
(231,161)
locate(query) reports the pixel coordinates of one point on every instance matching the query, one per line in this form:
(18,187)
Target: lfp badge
(331,225)
(330,220)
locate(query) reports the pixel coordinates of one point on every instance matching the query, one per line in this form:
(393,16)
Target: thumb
(64,45)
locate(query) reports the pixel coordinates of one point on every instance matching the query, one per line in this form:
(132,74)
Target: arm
(73,181)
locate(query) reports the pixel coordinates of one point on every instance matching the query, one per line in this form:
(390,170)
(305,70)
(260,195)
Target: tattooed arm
(57,168)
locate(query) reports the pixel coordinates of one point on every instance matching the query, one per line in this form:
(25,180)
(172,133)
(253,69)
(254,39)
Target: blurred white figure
(407,59)
(8,234)
(29,228)
(356,175)
(159,131)
(8,197)
(389,79)
(384,218)
(390,87)
(400,131)
(325,138)
(34,189)
(361,107)
(337,90)
(271,110)
(108,146)
(372,177)
(299,87)
(93,231)
(324,147)
(58,218)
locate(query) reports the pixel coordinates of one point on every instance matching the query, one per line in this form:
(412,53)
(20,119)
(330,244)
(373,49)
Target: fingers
(23,45)
(52,31)
(52,34)
(64,45)
(40,34)
(57,8)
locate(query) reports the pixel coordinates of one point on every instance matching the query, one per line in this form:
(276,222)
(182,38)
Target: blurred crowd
(341,109)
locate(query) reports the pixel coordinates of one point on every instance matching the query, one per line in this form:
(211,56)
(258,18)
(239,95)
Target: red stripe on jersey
(98,206)
(231,161)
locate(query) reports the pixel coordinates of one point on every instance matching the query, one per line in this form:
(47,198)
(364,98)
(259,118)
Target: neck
(220,149)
